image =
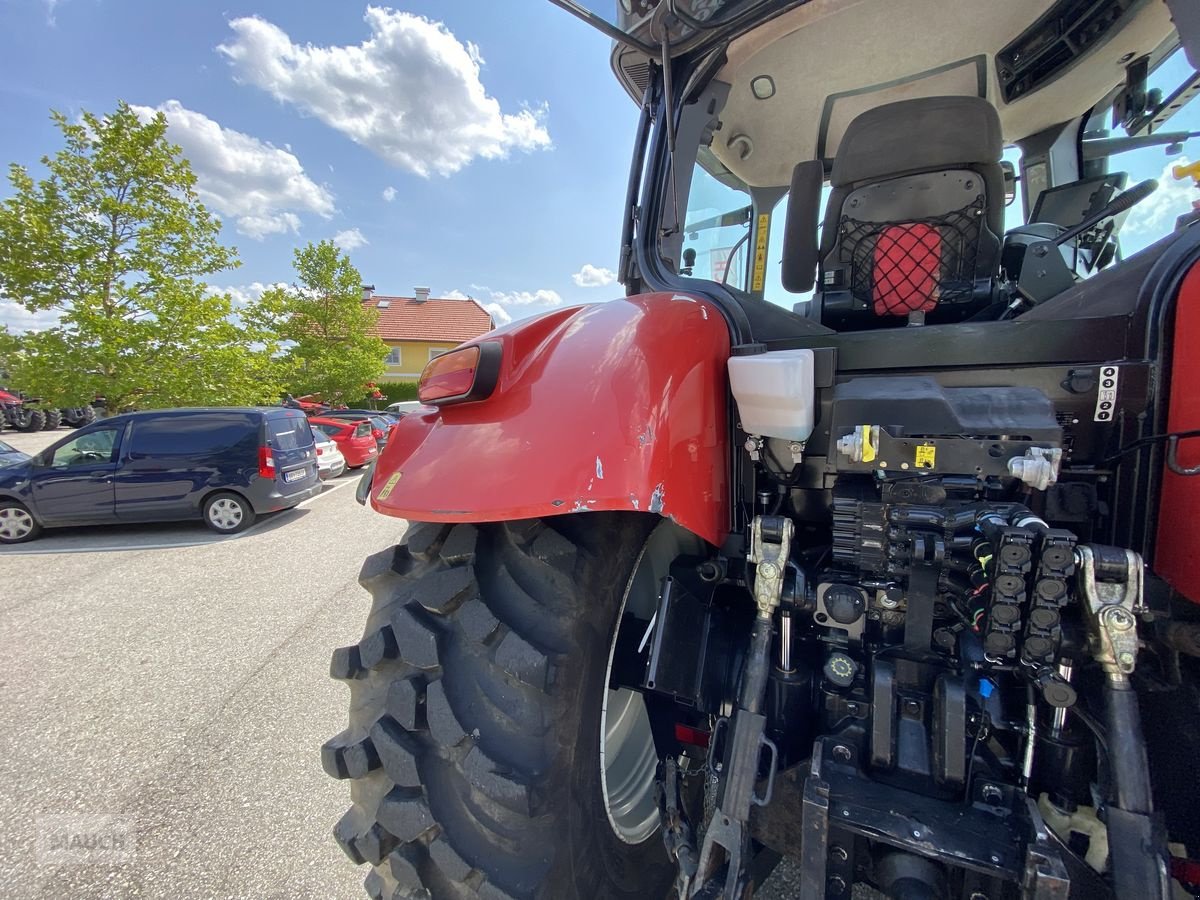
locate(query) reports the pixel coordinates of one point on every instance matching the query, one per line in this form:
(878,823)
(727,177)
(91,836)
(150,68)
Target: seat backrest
(913,223)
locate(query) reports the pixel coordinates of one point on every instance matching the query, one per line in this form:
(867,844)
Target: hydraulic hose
(1129,765)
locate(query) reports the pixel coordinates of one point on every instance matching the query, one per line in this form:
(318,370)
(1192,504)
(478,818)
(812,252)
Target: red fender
(616,406)
(1179,508)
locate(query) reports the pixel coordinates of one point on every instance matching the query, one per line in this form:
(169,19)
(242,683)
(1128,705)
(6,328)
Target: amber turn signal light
(469,373)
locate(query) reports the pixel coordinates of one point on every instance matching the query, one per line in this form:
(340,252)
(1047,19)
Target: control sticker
(1106,395)
(760,252)
(386,490)
(926,456)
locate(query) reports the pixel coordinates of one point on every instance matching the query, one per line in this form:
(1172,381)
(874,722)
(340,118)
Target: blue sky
(505,180)
(534,175)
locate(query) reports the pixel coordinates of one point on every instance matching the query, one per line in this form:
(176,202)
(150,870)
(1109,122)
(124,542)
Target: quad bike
(864,537)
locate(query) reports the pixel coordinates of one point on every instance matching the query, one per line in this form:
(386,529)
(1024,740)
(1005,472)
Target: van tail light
(462,375)
(266,462)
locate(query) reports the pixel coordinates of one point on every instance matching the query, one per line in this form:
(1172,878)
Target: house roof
(404,319)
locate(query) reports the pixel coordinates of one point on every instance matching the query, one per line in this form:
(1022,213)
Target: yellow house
(418,328)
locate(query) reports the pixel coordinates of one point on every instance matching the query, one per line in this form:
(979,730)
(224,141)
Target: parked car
(381,424)
(10,455)
(225,466)
(330,462)
(353,437)
(404,407)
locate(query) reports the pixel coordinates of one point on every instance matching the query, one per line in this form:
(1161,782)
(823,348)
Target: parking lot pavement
(163,708)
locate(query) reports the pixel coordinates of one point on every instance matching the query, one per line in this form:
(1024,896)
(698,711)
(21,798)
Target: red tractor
(24,414)
(863,530)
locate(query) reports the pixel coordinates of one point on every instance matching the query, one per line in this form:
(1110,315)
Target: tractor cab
(858,162)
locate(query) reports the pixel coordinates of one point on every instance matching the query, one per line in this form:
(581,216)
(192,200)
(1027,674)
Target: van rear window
(193,435)
(289,432)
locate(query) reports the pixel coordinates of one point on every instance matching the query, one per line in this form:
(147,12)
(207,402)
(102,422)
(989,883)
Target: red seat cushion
(906,265)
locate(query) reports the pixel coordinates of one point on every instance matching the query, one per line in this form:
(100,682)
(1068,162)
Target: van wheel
(17,524)
(228,513)
(485,753)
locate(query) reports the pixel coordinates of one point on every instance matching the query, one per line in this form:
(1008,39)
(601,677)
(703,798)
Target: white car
(330,462)
(404,406)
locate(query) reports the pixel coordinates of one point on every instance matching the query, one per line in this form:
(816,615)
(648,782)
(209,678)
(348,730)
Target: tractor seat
(911,230)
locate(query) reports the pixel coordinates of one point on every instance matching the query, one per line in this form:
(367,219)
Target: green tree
(116,242)
(330,336)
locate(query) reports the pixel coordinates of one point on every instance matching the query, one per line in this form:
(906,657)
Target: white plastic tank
(775,393)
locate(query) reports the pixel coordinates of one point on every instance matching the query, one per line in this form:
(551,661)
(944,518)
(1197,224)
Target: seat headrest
(918,135)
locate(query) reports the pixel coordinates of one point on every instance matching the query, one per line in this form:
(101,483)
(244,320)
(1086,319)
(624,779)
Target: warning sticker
(926,456)
(1106,395)
(760,252)
(386,491)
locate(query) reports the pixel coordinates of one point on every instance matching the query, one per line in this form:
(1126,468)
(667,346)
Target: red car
(355,439)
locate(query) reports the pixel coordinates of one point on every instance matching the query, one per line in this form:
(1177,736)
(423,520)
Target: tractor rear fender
(615,406)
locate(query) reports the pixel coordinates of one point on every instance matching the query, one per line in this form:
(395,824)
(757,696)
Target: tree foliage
(329,335)
(116,242)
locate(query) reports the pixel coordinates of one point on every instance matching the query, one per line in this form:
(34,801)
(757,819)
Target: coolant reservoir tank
(774,393)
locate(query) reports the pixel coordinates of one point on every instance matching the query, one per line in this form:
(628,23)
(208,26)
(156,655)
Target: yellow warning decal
(926,456)
(760,252)
(388,486)
(868,443)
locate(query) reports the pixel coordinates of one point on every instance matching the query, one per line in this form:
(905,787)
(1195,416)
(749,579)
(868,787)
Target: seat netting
(903,267)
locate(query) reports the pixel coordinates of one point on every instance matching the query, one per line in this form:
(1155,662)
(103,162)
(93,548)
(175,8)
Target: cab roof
(823,62)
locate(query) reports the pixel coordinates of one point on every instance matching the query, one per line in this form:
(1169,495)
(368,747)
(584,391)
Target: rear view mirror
(1010,181)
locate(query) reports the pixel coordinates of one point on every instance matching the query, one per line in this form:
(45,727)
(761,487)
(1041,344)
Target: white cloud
(454,294)
(261,186)
(389,194)
(350,239)
(243,295)
(540,297)
(1155,216)
(18,320)
(410,92)
(592,276)
(500,315)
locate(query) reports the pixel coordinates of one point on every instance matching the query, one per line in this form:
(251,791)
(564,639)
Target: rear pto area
(860,532)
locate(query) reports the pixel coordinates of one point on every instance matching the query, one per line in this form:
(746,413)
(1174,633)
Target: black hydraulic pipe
(1127,749)
(754,684)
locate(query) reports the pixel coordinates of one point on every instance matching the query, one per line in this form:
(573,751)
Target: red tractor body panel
(616,406)
(1178,544)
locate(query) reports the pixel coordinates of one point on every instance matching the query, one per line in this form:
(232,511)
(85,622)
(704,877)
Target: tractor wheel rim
(225,514)
(15,523)
(628,759)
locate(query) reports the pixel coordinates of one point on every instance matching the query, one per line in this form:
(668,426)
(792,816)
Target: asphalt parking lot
(164,693)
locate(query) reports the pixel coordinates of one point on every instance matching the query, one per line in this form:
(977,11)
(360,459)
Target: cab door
(72,483)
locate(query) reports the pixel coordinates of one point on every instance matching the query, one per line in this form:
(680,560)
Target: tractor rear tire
(30,420)
(477,697)
(53,420)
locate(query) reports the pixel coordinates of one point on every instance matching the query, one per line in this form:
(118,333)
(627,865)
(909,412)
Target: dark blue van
(225,466)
